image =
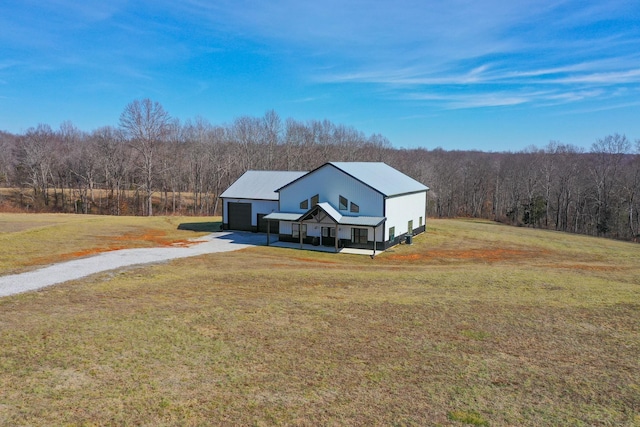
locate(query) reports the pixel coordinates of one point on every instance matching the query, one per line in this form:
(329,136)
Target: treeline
(153,164)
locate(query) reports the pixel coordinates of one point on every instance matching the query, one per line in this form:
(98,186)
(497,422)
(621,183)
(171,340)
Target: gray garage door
(240,216)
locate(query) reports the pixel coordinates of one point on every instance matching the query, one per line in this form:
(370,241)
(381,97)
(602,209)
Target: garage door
(240,216)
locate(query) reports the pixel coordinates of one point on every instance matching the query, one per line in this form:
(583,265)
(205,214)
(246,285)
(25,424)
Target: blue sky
(457,74)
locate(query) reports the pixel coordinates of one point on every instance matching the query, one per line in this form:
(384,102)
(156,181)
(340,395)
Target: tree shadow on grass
(209,227)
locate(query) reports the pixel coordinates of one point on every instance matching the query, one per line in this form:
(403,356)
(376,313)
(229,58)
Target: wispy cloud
(607,107)
(487,48)
(9,64)
(462,101)
(305,100)
(415,57)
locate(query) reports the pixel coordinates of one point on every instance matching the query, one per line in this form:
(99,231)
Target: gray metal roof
(260,185)
(334,214)
(283,216)
(370,221)
(381,177)
(337,217)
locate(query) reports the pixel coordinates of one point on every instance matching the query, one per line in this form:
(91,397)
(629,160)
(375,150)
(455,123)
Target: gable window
(314,200)
(392,233)
(343,203)
(304,204)
(359,235)
(355,208)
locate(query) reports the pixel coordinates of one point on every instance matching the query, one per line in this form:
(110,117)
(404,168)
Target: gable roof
(260,185)
(381,177)
(378,175)
(337,217)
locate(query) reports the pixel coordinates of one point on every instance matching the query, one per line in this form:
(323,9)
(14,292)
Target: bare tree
(145,123)
(608,154)
(35,156)
(272,126)
(7,159)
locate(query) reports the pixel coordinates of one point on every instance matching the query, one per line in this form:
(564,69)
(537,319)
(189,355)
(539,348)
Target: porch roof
(283,216)
(364,221)
(324,207)
(331,212)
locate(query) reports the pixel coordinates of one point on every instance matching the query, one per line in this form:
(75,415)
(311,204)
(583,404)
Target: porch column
(300,233)
(374,241)
(335,240)
(268,231)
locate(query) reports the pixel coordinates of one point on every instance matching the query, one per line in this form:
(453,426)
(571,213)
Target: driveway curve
(78,268)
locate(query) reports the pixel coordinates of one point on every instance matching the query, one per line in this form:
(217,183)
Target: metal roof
(260,185)
(370,221)
(283,216)
(381,177)
(337,217)
(329,210)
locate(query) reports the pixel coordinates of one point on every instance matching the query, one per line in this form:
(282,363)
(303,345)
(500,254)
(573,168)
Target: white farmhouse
(362,205)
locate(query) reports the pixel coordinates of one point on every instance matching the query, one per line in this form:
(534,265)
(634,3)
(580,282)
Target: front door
(328,236)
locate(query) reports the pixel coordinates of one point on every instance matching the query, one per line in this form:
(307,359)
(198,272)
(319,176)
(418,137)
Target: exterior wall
(330,183)
(257,207)
(402,209)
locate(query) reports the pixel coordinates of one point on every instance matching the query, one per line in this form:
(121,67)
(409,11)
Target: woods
(154,164)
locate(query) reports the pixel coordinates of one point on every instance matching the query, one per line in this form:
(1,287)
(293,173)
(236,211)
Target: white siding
(330,183)
(402,209)
(285,227)
(257,207)
(314,229)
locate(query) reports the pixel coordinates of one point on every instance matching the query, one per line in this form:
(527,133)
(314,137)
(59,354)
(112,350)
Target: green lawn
(474,324)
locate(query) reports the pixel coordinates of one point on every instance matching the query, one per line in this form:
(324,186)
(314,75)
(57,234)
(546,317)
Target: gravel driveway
(78,268)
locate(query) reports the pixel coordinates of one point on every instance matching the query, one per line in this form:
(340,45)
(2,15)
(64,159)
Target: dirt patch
(149,238)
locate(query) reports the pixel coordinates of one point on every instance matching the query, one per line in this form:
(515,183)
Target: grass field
(474,324)
(31,240)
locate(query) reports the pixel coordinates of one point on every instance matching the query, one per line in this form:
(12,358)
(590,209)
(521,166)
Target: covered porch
(323,228)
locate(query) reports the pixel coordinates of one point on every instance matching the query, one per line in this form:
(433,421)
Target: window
(359,235)
(355,208)
(392,233)
(343,203)
(297,228)
(314,200)
(410,227)
(304,204)
(328,232)
(420,222)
